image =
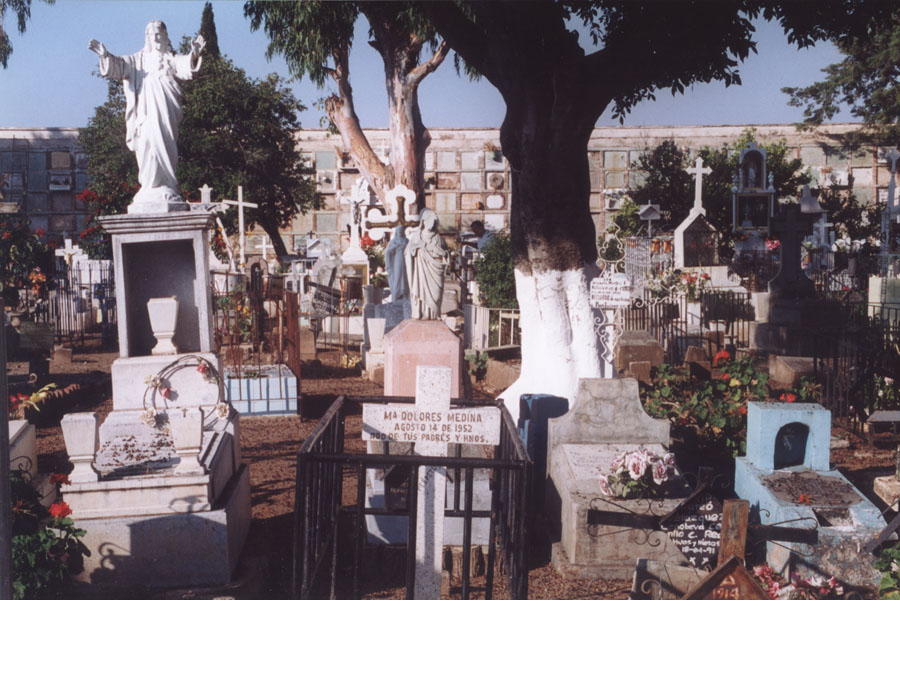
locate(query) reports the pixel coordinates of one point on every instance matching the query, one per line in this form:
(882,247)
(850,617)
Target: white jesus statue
(153,99)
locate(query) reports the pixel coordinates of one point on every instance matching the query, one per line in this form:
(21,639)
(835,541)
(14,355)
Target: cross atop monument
(68,251)
(790,229)
(431,424)
(265,247)
(892,156)
(699,171)
(649,212)
(399,203)
(205,194)
(240,203)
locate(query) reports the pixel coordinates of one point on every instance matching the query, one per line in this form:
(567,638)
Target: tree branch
(422,70)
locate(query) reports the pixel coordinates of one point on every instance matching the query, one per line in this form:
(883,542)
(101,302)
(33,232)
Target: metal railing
(490,328)
(82,300)
(325,531)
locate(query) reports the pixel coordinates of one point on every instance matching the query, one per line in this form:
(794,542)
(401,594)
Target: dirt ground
(269,445)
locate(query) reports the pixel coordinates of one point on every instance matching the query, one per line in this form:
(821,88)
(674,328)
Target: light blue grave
(265,390)
(787,478)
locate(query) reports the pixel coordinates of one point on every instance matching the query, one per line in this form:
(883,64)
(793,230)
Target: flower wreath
(159,387)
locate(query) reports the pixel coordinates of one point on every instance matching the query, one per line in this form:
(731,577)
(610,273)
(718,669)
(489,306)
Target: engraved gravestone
(431,424)
(695,528)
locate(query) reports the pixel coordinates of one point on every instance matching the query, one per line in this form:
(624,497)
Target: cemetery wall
(467,177)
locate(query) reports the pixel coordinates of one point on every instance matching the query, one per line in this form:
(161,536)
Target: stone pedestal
(159,487)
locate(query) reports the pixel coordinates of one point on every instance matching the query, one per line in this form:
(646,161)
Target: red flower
(165,392)
(60,510)
(726,376)
(201,368)
(804,499)
(788,397)
(742,410)
(59,478)
(7,235)
(721,356)
(40,232)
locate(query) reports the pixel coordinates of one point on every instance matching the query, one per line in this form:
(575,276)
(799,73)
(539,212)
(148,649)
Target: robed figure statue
(427,259)
(153,102)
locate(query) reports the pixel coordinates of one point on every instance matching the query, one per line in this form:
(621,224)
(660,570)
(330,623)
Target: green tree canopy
(865,83)
(236,130)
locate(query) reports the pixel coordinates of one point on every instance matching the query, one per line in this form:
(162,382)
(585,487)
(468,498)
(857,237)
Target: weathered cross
(240,203)
(790,230)
(649,212)
(431,424)
(205,194)
(699,171)
(68,251)
(399,202)
(265,247)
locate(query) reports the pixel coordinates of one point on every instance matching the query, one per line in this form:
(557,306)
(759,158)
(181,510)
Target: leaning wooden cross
(431,424)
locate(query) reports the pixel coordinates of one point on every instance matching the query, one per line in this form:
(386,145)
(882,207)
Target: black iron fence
(322,537)
(858,366)
(82,301)
(712,321)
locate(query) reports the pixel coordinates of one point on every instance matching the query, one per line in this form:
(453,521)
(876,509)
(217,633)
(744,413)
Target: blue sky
(50,81)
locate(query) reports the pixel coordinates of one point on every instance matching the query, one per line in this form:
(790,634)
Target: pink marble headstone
(419,343)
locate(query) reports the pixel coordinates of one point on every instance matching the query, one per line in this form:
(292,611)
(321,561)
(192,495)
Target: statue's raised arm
(153,111)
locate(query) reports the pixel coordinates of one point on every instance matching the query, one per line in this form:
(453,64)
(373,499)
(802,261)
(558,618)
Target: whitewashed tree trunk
(559,345)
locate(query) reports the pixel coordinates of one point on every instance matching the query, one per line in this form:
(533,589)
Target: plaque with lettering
(610,291)
(695,528)
(406,424)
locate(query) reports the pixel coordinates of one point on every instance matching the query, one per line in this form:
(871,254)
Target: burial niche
(790,445)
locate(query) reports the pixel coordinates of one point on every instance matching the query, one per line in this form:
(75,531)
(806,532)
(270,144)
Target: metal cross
(240,203)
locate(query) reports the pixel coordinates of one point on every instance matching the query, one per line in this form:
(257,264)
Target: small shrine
(753,192)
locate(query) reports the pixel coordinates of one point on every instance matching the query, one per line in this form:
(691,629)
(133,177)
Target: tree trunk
(554,247)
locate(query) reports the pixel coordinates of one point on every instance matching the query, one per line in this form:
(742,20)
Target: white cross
(431,425)
(264,246)
(68,251)
(699,171)
(240,203)
(205,194)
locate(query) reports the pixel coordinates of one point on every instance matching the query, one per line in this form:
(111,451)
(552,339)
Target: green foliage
(209,33)
(864,82)
(236,130)
(478,364)
(717,407)
(889,564)
(25,259)
(96,243)
(669,185)
(808,391)
(22,9)
(494,273)
(46,548)
(850,217)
